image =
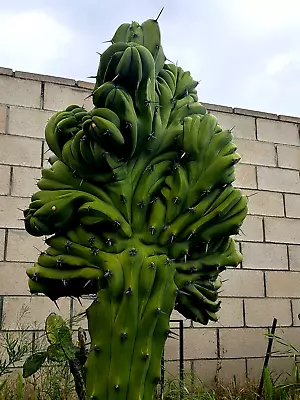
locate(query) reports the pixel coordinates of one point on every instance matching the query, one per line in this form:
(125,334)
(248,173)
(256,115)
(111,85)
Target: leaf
(34,363)
(65,340)
(56,353)
(53,323)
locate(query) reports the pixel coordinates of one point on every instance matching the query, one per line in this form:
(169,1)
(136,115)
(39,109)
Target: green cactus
(140,207)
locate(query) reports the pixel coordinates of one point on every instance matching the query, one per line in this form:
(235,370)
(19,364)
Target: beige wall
(266,285)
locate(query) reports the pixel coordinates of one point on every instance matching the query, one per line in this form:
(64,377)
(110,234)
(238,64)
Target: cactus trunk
(129,328)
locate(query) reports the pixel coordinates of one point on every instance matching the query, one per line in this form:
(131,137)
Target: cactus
(138,208)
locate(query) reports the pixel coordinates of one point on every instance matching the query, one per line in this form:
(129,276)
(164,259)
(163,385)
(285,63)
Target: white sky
(246,53)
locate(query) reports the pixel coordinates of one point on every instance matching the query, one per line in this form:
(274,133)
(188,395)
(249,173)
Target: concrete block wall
(265,285)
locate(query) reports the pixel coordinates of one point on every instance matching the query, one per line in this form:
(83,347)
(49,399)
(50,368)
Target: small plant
(61,350)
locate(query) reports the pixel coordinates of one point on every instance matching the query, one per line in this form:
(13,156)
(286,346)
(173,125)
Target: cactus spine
(139,208)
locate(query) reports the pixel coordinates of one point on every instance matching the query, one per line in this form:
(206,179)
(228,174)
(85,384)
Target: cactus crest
(139,210)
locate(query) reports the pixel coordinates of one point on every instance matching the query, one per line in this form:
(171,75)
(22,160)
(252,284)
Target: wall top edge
(89,86)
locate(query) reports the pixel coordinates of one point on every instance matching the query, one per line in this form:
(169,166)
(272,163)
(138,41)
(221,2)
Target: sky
(245,53)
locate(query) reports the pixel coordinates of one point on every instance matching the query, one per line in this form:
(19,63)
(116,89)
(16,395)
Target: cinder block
(28,122)
(292,205)
(3,111)
(23,247)
(288,118)
(85,85)
(278,180)
(289,157)
(230,314)
(242,283)
(242,342)
(20,151)
(296,311)
(171,351)
(254,152)
(177,316)
(244,127)
(277,132)
(255,113)
(231,369)
(282,230)
(282,284)
(217,107)
(2,243)
(289,336)
(5,179)
(45,78)
(260,312)
(245,176)
(59,97)
(265,203)
(294,254)
(20,92)
(206,371)
(172,369)
(6,71)
(251,230)
(200,343)
(31,312)
(24,181)
(280,367)
(10,214)
(13,278)
(264,256)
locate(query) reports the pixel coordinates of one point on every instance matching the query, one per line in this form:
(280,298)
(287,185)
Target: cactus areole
(138,209)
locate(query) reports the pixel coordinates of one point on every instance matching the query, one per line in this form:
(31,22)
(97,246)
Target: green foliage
(34,363)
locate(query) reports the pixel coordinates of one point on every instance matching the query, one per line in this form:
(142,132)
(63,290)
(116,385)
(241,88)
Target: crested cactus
(138,208)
